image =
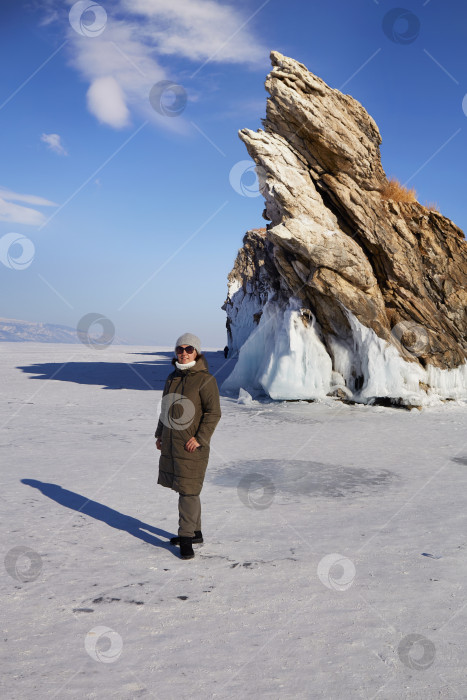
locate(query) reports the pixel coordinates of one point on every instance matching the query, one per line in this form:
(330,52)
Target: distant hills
(14,331)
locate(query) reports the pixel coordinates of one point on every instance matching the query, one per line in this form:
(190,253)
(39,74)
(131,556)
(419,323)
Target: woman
(190,411)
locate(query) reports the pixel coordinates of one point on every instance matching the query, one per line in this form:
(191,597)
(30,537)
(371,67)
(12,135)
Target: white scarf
(186,366)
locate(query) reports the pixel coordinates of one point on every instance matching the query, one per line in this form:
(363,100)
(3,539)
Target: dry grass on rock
(397,192)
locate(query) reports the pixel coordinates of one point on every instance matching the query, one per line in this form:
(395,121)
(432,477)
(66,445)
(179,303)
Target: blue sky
(130,213)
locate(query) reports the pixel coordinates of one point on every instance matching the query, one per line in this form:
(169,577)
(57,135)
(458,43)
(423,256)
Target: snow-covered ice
(283,356)
(335,554)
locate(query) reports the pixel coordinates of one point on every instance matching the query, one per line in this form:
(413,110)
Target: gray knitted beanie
(189,339)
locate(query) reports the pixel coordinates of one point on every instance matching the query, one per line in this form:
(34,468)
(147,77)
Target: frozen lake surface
(335,554)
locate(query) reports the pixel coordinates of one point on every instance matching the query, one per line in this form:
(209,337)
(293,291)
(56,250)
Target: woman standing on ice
(190,411)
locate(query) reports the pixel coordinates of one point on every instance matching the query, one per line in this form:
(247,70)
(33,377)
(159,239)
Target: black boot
(197,539)
(186,548)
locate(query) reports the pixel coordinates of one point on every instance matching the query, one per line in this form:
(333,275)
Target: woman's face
(184,356)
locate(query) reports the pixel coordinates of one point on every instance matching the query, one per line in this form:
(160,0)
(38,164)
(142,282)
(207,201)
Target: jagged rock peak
(369,271)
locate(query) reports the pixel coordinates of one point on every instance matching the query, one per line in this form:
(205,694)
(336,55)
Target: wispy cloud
(18,214)
(120,69)
(54,142)
(197,30)
(49,17)
(122,63)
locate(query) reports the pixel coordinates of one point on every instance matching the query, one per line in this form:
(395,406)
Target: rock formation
(345,292)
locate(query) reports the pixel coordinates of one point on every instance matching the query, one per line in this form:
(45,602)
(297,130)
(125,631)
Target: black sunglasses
(189,349)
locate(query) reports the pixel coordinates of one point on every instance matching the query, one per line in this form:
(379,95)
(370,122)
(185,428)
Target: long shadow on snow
(96,510)
(145,376)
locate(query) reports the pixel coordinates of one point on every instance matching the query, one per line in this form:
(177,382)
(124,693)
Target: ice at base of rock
(285,358)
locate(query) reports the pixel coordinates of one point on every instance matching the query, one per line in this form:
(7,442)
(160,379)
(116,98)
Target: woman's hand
(159,444)
(192,445)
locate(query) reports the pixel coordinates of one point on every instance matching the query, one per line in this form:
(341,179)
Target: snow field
(259,611)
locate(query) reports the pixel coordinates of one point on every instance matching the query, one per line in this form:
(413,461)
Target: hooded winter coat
(190,408)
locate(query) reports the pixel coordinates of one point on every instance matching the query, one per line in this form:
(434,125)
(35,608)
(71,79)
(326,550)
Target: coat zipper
(182,385)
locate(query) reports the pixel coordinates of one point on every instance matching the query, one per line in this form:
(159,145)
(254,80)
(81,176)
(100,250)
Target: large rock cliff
(352,292)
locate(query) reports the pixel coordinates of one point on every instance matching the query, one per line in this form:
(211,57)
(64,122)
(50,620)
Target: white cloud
(106,100)
(17,214)
(122,63)
(53,141)
(199,30)
(28,198)
(120,67)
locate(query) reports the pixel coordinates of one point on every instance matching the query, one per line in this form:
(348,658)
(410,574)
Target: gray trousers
(189,509)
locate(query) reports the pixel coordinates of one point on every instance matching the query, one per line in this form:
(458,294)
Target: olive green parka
(190,408)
